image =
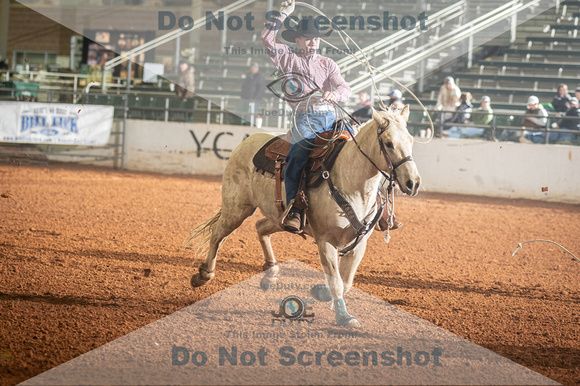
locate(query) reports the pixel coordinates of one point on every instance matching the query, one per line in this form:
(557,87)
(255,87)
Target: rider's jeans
(301,144)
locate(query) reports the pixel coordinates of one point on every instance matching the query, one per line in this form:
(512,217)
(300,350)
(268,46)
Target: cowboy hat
(306,28)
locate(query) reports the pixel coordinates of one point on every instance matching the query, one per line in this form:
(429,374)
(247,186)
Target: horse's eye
(390,145)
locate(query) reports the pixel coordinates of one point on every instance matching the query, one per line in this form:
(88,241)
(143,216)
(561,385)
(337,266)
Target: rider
(314,113)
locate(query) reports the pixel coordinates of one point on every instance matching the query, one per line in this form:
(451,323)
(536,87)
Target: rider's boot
(293,221)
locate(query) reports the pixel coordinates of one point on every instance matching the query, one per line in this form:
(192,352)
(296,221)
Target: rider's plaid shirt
(318,70)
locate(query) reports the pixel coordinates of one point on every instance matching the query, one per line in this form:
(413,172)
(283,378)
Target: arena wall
(500,169)
(183,148)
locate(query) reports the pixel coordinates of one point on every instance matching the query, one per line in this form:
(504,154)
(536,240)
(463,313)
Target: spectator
(395,99)
(571,123)
(447,101)
(253,89)
(561,101)
(185,87)
(462,114)
(362,111)
(536,118)
(577,93)
(448,97)
(480,118)
(463,111)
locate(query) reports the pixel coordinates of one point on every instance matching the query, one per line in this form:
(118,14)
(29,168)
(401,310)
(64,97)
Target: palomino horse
(381,143)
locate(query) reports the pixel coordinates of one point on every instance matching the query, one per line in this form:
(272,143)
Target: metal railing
(455,36)
(386,46)
(501,127)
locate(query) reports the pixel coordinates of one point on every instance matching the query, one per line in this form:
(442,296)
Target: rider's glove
(287,7)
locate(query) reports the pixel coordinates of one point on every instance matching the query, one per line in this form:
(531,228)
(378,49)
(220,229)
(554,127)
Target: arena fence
(229,110)
(111,154)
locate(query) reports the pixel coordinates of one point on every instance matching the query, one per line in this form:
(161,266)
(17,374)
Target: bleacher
(545,54)
(217,72)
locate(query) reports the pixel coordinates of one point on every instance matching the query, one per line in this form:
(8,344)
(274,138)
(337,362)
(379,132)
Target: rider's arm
(277,51)
(341,88)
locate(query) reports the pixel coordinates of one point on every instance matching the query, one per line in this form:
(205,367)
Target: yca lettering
(215,144)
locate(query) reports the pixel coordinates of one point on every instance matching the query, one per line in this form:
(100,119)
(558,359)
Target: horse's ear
(405,113)
(376,116)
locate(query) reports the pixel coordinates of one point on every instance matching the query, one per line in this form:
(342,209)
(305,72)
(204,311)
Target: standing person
(314,113)
(561,101)
(362,111)
(253,89)
(447,101)
(577,93)
(185,87)
(448,97)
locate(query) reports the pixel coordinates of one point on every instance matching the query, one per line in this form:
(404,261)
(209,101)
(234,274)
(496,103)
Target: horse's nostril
(410,185)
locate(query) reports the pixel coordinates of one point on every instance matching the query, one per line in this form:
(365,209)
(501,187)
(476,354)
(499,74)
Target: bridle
(392,165)
(391,176)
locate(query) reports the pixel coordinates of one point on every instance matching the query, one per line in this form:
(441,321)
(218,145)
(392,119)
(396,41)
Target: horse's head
(396,145)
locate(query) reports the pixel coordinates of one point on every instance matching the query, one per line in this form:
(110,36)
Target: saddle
(271,159)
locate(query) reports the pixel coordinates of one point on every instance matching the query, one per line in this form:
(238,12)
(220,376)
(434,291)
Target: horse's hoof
(321,293)
(268,282)
(197,281)
(348,321)
(272,267)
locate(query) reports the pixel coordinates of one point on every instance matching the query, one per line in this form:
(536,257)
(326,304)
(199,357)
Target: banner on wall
(59,124)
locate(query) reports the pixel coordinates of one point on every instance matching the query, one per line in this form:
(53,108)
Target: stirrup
(285,215)
(286,212)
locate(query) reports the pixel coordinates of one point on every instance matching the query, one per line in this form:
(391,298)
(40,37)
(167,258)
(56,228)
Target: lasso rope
(364,61)
(389,194)
(546,241)
(370,68)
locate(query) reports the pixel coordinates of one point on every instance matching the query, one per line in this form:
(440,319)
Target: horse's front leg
(349,263)
(329,261)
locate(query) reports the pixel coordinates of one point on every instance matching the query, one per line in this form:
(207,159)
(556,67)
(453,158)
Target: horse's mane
(390,112)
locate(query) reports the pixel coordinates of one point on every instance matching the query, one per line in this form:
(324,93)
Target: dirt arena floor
(90,254)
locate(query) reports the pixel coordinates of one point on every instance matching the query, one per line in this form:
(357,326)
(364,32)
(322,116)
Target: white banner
(51,123)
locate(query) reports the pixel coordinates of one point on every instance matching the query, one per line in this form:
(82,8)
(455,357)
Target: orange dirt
(76,244)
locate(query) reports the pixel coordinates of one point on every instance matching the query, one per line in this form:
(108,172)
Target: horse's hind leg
(266,228)
(229,219)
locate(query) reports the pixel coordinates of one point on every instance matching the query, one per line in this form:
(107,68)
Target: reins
(362,228)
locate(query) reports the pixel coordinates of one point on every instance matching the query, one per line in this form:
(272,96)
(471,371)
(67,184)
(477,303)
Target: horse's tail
(201,236)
